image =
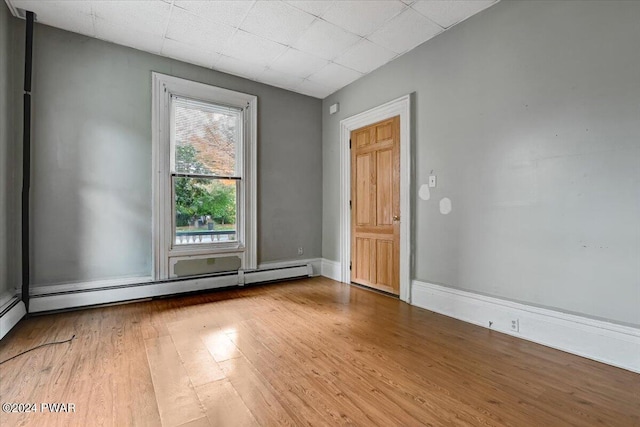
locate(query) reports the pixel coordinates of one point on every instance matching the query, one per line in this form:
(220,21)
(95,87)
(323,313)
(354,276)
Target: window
(204,173)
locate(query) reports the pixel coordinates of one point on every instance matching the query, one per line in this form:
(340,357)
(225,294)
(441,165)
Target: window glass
(206,139)
(205,210)
(206,171)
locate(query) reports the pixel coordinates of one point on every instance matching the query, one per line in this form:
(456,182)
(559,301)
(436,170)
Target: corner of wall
(331,269)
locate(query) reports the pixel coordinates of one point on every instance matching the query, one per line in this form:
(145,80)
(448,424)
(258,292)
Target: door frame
(398,107)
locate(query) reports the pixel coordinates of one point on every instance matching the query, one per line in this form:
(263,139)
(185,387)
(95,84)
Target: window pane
(205,210)
(206,138)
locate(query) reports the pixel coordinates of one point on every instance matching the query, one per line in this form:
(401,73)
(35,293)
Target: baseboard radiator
(10,314)
(84,295)
(262,276)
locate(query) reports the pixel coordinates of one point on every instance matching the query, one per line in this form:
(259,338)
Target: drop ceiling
(311,47)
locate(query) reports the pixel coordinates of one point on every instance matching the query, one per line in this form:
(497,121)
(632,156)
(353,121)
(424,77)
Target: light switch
(432,181)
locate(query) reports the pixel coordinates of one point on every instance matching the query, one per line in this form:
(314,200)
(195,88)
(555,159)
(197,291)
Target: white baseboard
(11,317)
(59,297)
(331,269)
(605,342)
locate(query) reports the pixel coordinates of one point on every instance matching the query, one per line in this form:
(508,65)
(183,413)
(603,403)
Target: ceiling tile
(238,67)
(298,63)
(314,89)
(314,7)
(141,16)
(276,78)
(362,17)
(447,13)
(277,21)
(253,49)
(66,6)
(325,40)
(127,37)
(405,31)
(74,22)
(365,56)
(74,16)
(195,31)
(226,12)
(186,53)
(286,43)
(334,75)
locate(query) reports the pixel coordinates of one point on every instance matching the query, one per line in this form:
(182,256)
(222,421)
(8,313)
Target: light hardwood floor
(307,352)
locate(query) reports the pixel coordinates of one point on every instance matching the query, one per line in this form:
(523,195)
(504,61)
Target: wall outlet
(515,325)
(300,250)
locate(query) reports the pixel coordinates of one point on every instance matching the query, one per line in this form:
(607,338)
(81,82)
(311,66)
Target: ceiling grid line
(313,47)
(93,21)
(166,27)
(241,21)
(426,16)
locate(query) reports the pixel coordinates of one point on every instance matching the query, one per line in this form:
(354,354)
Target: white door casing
(402,107)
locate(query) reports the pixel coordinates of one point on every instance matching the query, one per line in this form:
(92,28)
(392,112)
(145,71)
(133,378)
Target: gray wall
(8,190)
(529,114)
(91,211)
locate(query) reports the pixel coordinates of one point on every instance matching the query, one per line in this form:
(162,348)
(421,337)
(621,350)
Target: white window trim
(163,86)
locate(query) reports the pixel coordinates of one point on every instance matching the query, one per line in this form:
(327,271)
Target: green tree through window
(197,198)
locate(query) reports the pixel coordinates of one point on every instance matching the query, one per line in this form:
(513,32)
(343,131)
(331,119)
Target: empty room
(323,212)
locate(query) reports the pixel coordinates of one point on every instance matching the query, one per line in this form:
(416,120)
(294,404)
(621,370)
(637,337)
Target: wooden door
(375,205)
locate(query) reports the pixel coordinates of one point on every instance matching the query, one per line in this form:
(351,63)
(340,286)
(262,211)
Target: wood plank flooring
(306,352)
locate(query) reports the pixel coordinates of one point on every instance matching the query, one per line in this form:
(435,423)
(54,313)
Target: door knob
(396,217)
